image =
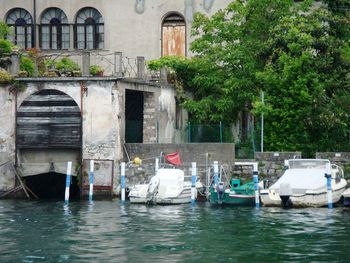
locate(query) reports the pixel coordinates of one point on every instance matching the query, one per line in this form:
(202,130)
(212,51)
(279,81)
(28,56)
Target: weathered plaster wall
(101,137)
(167,115)
(102,103)
(131,26)
(101,125)
(7,138)
(101,129)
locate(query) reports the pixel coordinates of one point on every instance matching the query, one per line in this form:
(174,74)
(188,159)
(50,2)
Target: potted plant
(96,70)
(66,66)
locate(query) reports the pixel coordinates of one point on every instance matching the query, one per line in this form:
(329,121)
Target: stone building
(50,121)
(134,27)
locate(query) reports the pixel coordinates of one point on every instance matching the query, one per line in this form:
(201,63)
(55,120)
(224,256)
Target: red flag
(173,158)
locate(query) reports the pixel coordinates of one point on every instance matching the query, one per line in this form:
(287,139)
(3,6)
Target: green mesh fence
(219,133)
(245,147)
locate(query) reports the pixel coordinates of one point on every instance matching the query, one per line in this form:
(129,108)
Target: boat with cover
(167,186)
(304,184)
(236,195)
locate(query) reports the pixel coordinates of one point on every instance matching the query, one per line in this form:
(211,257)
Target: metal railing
(112,63)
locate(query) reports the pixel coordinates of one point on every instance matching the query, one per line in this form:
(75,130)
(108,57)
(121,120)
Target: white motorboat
(304,184)
(346,196)
(168,186)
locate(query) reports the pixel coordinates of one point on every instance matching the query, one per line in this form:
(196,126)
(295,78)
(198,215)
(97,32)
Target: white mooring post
(216,172)
(194,178)
(122,177)
(91,180)
(256,184)
(328,175)
(68,177)
(157,165)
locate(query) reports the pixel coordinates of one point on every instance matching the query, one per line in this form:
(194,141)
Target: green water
(107,231)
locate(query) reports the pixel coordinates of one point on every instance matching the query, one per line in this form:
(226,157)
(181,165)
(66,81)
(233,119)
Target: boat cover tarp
(171,182)
(302,179)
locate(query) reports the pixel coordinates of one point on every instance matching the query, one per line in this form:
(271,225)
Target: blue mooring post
(122,177)
(91,180)
(328,175)
(194,178)
(256,185)
(216,172)
(68,175)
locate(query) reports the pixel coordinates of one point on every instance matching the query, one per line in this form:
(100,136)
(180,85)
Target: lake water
(108,231)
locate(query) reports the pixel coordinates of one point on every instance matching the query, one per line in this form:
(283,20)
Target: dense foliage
(297,54)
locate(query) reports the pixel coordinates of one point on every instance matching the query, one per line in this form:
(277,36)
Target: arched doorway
(48,135)
(173,35)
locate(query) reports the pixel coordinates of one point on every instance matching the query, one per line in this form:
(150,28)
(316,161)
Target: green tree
(307,83)
(297,53)
(229,50)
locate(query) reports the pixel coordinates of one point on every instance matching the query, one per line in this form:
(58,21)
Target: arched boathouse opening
(48,135)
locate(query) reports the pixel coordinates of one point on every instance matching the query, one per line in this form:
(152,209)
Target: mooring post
(216,172)
(194,178)
(157,165)
(256,184)
(123,181)
(68,175)
(328,175)
(91,180)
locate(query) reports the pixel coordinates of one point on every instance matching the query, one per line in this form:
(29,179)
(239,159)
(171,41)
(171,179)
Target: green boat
(238,195)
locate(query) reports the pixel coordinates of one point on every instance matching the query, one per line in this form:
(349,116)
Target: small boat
(237,194)
(167,186)
(303,184)
(346,197)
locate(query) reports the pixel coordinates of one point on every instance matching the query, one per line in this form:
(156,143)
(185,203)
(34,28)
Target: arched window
(174,35)
(89,31)
(54,29)
(22,22)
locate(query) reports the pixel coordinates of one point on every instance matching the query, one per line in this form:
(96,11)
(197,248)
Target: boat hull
(183,198)
(167,187)
(315,199)
(232,199)
(304,184)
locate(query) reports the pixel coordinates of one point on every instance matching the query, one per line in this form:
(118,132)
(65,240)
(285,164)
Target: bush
(4,30)
(169,62)
(5,46)
(66,65)
(26,64)
(5,77)
(95,70)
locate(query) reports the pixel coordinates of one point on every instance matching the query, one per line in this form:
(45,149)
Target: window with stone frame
(89,29)
(54,29)
(22,23)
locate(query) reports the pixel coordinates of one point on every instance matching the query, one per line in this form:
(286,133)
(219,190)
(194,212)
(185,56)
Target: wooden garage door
(48,119)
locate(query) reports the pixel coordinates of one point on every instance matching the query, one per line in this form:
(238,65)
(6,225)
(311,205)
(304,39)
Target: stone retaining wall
(202,153)
(271,164)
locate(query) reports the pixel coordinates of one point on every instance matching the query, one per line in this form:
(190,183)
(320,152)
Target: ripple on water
(106,231)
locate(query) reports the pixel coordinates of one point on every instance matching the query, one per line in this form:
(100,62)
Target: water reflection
(108,231)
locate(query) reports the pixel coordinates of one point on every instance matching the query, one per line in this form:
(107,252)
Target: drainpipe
(34,23)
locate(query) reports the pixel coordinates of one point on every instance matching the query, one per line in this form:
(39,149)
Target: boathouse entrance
(134,104)
(48,135)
